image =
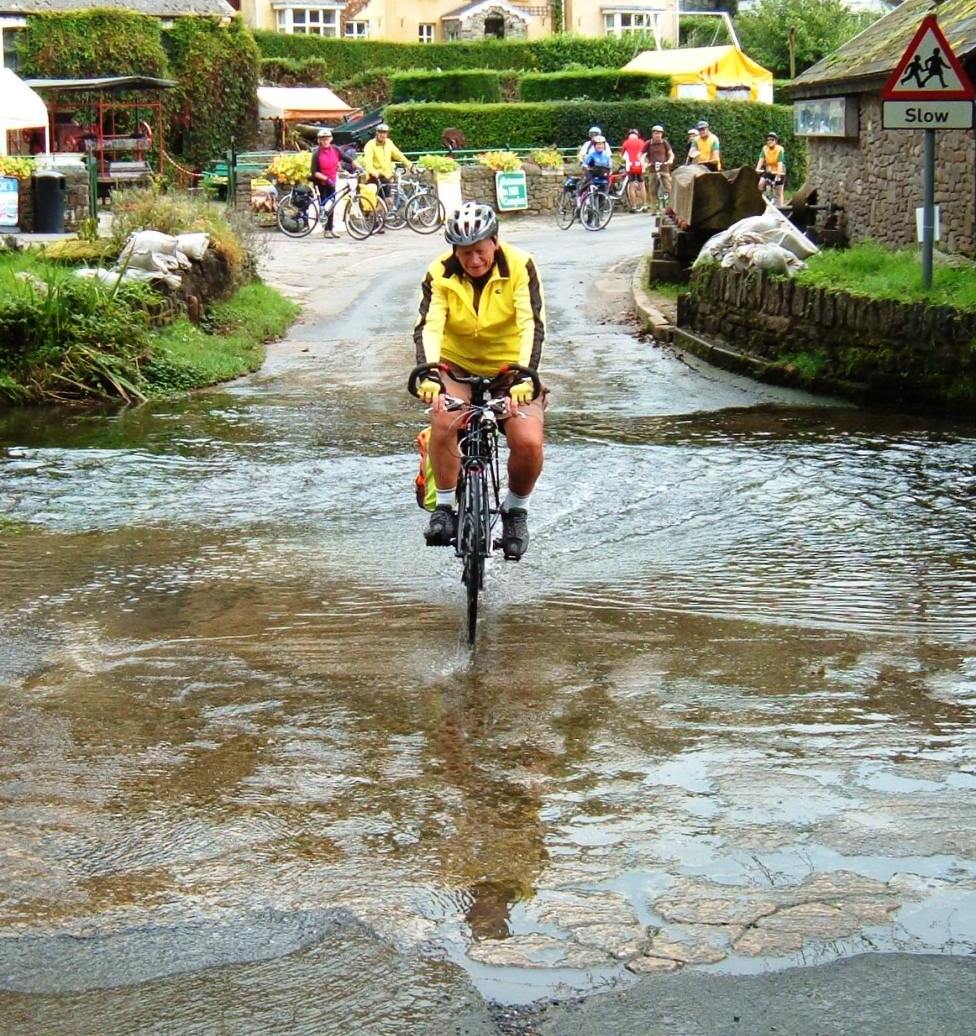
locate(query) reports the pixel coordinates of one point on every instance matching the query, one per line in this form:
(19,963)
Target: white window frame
(357,29)
(316,19)
(12,22)
(623,22)
(427,32)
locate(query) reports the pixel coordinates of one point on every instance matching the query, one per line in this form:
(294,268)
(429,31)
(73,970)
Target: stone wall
(76,202)
(472,27)
(544,187)
(878,180)
(894,352)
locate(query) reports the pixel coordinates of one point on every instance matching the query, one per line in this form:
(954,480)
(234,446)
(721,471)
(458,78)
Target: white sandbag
(152,250)
(193,245)
(129,275)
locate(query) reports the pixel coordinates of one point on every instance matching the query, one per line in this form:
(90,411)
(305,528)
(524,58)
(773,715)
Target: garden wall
(880,349)
(544,187)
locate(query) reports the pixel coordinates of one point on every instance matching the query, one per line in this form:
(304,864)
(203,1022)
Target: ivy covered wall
(215,67)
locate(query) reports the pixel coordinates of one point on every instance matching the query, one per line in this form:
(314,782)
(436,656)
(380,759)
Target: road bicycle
(477,501)
(411,202)
(589,201)
(655,188)
(300,211)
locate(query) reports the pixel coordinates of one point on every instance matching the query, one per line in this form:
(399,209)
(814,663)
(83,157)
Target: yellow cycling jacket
(508,326)
(378,159)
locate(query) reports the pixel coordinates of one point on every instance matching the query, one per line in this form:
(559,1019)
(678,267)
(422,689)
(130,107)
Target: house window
(309,21)
(621,23)
(9,27)
(356,30)
(425,32)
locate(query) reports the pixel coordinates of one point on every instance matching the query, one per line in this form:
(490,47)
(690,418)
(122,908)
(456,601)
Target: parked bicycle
(478,508)
(408,201)
(300,211)
(586,200)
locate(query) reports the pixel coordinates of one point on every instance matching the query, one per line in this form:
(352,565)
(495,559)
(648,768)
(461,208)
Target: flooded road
(720,717)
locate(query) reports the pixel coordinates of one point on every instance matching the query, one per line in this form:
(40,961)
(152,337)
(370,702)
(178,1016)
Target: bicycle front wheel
(396,211)
(565,210)
(361,220)
(297,220)
(473,523)
(596,210)
(425,213)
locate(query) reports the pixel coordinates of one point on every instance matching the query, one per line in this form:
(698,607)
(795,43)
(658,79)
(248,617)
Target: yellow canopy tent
(708,73)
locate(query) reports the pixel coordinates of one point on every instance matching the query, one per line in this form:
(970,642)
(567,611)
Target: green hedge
(90,44)
(294,72)
(782,91)
(346,58)
(741,126)
(605,84)
(466,84)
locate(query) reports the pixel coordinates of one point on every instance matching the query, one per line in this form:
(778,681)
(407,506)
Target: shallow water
(233,684)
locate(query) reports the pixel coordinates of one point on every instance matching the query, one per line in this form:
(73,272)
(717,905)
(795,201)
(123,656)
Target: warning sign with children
(929,88)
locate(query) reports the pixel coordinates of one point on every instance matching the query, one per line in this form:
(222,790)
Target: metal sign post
(928,90)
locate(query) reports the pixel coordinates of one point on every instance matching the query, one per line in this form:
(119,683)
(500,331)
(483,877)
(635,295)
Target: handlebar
(509,375)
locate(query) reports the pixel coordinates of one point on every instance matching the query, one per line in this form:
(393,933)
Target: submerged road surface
(720,718)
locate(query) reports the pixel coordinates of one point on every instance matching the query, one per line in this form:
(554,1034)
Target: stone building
(437,21)
(876,174)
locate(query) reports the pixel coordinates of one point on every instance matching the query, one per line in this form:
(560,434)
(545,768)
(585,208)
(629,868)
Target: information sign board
(512,191)
(9,195)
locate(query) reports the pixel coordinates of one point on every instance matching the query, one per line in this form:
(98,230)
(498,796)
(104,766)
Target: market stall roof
(20,108)
(724,66)
(299,102)
(106,83)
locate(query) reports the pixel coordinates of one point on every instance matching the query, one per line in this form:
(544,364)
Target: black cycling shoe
(515,533)
(441,531)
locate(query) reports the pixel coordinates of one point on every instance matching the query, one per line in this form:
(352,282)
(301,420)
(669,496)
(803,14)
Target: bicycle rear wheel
(566,210)
(396,211)
(297,220)
(473,522)
(425,212)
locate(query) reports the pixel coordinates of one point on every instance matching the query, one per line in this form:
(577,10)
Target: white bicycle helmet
(471,223)
(595,130)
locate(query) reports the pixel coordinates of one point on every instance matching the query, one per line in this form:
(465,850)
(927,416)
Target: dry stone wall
(894,352)
(878,180)
(544,187)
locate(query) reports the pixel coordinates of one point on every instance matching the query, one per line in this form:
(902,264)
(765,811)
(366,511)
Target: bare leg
(525,448)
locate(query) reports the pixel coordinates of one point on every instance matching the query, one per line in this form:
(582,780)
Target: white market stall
(286,104)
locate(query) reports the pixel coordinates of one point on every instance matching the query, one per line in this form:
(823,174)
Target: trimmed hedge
(741,126)
(782,91)
(605,84)
(294,72)
(465,84)
(345,58)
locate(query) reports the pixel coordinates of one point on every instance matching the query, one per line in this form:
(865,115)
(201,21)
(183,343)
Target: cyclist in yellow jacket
(772,165)
(481,307)
(379,157)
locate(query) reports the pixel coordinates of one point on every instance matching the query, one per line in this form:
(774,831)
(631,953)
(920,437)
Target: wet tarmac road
(720,718)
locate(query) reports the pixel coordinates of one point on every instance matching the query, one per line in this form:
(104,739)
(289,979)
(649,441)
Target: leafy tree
(821,27)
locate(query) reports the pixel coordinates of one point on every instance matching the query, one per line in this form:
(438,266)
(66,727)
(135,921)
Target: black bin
(50,192)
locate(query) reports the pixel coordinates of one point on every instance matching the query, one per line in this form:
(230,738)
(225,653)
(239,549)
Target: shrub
(547,158)
(80,251)
(11,165)
(500,161)
(215,104)
(290,168)
(604,84)
(438,163)
(87,44)
(292,72)
(456,85)
(367,90)
(740,125)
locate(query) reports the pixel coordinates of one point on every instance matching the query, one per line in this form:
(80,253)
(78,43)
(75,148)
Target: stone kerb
(902,352)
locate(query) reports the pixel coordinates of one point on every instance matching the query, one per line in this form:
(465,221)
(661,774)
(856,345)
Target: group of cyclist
(377,162)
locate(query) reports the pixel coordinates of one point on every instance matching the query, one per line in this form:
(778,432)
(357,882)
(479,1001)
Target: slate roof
(157,8)
(866,60)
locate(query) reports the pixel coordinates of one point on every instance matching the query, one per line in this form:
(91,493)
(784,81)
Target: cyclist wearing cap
(587,145)
(632,152)
(379,156)
(327,160)
(659,156)
(481,307)
(772,165)
(709,153)
(692,144)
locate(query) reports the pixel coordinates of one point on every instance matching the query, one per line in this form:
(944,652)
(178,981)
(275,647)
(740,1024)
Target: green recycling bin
(50,193)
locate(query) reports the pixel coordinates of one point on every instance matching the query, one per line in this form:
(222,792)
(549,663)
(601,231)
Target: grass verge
(228,343)
(873,271)
(668,290)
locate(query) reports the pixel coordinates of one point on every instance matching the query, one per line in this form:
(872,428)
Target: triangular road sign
(928,70)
